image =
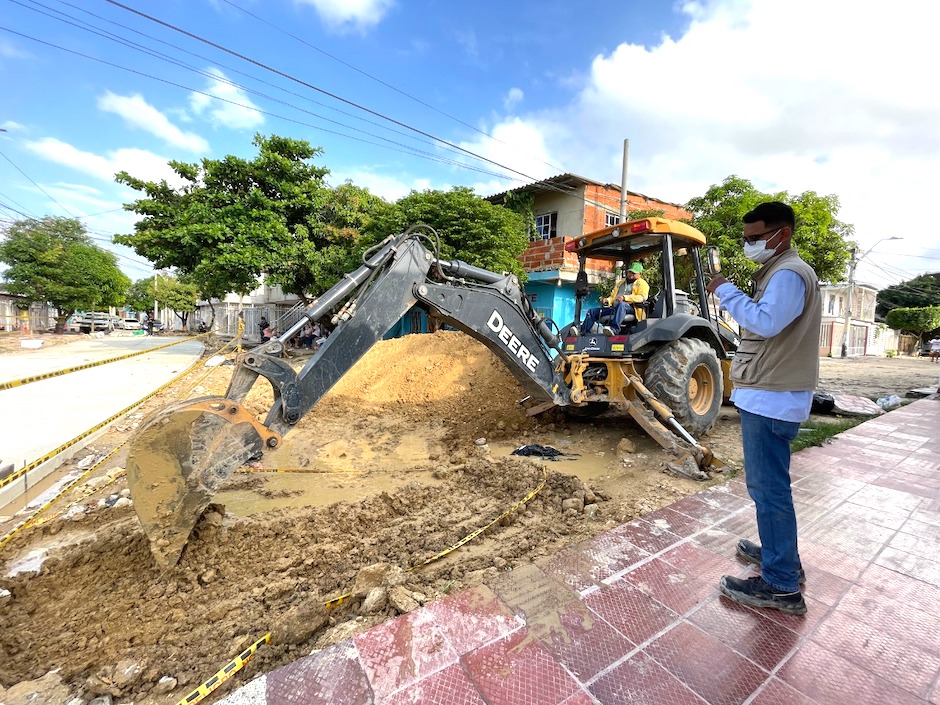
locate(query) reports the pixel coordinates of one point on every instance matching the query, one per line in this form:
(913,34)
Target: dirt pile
(445,377)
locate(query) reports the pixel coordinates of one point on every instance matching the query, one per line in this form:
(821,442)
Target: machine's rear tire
(686,376)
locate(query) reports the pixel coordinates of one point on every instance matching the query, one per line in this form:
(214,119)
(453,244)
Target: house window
(546,226)
(611,219)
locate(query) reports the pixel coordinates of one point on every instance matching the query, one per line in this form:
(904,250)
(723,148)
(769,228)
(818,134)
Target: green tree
(179,296)
(234,219)
(470,228)
(820,236)
(52,260)
(915,320)
(326,247)
(140,295)
(915,293)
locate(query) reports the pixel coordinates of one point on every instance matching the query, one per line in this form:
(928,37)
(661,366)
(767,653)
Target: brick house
(565,207)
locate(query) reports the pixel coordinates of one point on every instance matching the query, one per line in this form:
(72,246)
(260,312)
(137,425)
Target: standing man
(616,305)
(775,371)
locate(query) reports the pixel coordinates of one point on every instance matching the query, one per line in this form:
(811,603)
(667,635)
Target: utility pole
(846,326)
(623,182)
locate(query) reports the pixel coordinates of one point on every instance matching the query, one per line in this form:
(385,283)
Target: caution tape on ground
(226,672)
(340,599)
(68,444)
(241,327)
(34,518)
(469,537)
(89,365)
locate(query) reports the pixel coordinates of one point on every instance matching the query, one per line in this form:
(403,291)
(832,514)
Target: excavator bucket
(178,459)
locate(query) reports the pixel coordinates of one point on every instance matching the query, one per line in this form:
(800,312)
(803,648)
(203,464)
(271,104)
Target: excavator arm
(182,454)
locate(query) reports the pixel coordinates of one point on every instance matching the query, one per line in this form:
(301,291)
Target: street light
(848,297)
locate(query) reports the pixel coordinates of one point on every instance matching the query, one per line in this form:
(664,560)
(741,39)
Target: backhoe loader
(182,454)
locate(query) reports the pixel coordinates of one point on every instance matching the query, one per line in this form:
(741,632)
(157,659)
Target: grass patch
(816,433)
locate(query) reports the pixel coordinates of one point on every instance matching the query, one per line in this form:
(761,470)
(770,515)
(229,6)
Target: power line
(87,27)
(374,78)
(410,149)
(311,86)
(36,185)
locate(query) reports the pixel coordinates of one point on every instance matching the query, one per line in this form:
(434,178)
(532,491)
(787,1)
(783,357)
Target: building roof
(563,182)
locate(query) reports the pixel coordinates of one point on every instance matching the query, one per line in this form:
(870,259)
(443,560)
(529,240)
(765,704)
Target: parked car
(129,324)
(96,321)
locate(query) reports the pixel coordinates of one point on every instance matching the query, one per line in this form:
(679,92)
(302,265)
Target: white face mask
(757,251)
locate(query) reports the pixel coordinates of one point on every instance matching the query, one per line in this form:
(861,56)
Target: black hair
(774,214)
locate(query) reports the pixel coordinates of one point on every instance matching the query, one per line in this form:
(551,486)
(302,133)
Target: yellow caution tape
(34,520)
(55,451)
(468,538)
(229,670)
(340,599)
(89,365)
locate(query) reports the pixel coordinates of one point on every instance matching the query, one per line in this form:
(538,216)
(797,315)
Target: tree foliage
(820,236)
(916,293)
(234,218)
(53,260)
(470,228)
(915,320)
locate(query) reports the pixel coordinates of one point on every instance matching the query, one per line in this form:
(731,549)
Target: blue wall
(556,302)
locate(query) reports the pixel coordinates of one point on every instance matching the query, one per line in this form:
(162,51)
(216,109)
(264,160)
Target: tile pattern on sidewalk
(634,615)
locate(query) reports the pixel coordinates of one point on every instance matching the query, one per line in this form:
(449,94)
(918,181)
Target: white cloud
(350,14)
(391,188)
(226,105)
(8,50)
(138,113)
(11,126)
(137,162)
(794,96)
(513,98)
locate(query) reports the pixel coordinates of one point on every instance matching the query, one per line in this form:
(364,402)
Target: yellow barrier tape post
(226,672)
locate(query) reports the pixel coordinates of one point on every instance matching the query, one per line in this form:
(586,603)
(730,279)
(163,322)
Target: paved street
(39,417)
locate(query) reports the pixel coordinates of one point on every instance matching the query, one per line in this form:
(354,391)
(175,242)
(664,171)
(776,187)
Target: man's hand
(715,283)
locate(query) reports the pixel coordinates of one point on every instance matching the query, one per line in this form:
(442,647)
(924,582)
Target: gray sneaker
(751,553)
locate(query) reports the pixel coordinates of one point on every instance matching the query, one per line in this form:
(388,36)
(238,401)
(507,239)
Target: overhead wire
(207,74)
(36,185)
(374,78)
(410,149)
(307,84)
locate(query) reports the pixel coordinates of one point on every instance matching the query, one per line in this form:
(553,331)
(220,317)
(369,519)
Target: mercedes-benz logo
(593,342)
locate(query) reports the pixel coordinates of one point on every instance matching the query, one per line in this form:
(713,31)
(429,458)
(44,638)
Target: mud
(386,469)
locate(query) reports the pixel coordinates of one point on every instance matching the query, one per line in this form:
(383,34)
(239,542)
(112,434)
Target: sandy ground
(386,469)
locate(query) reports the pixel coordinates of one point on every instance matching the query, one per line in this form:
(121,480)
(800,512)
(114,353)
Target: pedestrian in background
(775,371)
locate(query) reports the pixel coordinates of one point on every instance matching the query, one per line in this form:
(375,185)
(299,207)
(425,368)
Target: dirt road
(386,469)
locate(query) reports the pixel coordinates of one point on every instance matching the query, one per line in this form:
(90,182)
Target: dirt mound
(445,376)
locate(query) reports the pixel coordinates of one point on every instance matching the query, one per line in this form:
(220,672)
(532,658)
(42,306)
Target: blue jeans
(767,474)
(618,313)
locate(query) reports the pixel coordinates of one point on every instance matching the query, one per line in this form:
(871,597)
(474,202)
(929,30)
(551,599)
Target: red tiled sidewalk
(634,616)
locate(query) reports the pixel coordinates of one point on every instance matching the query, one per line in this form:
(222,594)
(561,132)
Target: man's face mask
(758,251)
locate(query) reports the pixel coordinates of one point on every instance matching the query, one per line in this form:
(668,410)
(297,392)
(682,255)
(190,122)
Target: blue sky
(823,95)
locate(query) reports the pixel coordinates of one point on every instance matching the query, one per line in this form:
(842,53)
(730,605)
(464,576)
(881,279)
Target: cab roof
(635,236)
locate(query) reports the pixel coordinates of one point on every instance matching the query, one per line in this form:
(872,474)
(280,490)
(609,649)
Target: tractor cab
(674,261)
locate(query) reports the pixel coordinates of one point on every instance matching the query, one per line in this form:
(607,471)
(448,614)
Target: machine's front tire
(686,376)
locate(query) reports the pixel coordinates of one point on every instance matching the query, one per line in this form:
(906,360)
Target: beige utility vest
(789,361)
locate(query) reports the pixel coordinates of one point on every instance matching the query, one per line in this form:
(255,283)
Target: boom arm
(487,306)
